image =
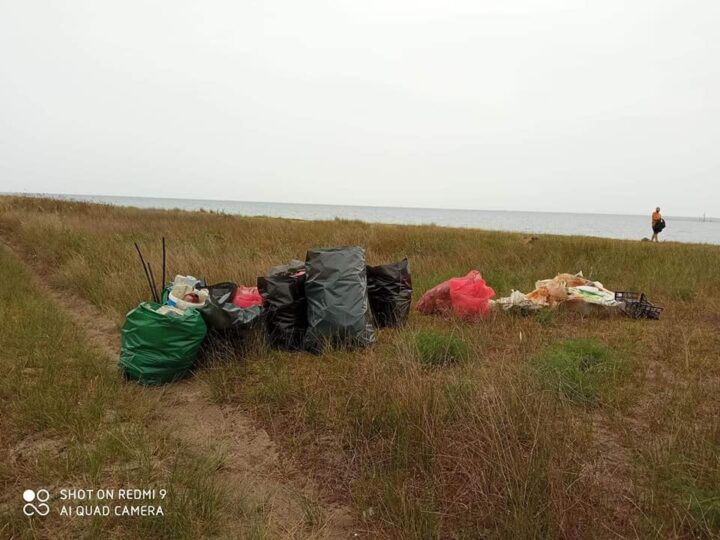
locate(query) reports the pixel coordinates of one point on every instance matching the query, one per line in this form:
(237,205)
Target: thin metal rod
(156,296)
(145,269)
(164,259)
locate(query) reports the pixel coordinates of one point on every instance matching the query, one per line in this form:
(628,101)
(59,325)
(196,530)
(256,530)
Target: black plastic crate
(642,310)
(625,296)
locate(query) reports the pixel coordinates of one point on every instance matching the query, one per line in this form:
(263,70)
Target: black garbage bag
(225,318)
(337,302)
(292,267)
(285,308)
(390,292)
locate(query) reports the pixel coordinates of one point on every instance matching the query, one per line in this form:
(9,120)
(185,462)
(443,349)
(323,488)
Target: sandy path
(252,464)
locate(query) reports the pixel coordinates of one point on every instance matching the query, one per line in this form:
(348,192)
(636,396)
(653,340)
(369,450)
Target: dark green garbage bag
(336,290)
(156,348)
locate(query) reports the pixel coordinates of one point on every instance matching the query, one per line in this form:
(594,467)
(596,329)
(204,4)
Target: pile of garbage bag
(334,299)
(331,299)
(470,297)
(161,343)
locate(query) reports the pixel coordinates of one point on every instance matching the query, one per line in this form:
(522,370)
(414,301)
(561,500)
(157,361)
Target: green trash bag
(156,348)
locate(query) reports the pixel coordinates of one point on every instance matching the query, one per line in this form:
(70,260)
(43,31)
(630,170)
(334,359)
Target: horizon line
(342,205)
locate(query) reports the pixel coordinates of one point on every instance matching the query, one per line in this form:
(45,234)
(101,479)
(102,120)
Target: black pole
(163,274)
(145,269)
(154,286)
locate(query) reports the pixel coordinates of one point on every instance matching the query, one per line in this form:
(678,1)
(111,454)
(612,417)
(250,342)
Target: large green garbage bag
(156,348)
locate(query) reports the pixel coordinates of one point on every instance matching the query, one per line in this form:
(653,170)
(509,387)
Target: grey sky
(520,105)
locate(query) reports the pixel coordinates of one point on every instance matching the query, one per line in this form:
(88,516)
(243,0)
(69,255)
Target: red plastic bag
(246,297)
(468,297)
(436,300)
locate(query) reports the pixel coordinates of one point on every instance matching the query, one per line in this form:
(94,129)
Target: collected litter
(336,289)
(574,292)
(293,267)
(331,299)
(563,289)
(326,300)
(637,306)
(246,297)
(222,314)
(169,310)
(390,293)
(283,296)
(190,281)
(160,343)
(186,293)
(160,340)
(468,297)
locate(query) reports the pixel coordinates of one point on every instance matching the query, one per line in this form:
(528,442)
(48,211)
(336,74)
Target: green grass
(685,465)
(505,438)
(438,349)
(579,369)
(704,504)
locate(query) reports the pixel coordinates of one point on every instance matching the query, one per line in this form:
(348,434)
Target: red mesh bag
(468,297)
(246,297)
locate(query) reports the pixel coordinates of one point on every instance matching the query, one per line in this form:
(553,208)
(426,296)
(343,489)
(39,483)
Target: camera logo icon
(36,502)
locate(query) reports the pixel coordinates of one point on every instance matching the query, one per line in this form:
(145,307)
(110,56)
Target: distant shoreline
(88,198)
(621,227)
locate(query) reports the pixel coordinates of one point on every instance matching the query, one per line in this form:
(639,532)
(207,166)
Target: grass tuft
(435,348)
(578,368)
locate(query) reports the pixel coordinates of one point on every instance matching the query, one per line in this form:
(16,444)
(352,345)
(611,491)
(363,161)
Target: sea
(679,229)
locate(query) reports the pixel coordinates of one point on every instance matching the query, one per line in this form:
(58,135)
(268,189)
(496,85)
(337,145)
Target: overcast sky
(608,106)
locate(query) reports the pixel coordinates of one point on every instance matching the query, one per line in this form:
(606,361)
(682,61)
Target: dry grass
(68,421)
(482,447)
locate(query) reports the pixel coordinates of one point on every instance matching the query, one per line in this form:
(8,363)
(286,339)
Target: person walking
(658,224)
